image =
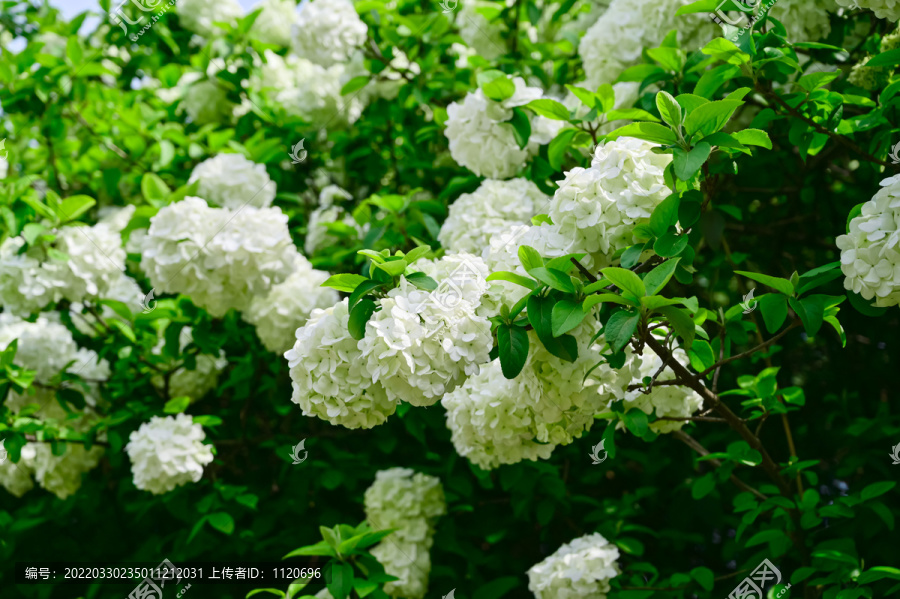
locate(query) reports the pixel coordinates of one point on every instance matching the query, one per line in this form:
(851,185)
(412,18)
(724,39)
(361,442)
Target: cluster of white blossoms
(193,383)
(804,20)
(870,251)
(232,181)
(475,218)
(616,41)
(663,401)
(597,208)
(124,289)
(494,420)
(317,236)
(204,100)
(47,347)
(421,345)
(220,258)
(327,32)
(200,16)
(308,90)
(411,503)
(329,376)
(883,9)
(278,314)
(579,569)
(274,23)
(483,36)
(482,140)
(33,279)
(167,452)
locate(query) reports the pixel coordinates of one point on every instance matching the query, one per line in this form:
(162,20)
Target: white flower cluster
(422,344)
(167,452)
(200,16)
(482,140)
(804,21)
(274,23)
(870,252)
(220,258)
(31,280)
(317,235)
(232,181)
(124,289)
(329,376)
(597,208)
(883,9)
(61,475)
(483,36)
(328,32)
(494,420)
(411,503)
(475,218)
(616,41)
(308,90)
(288,305)
(665,401)
(204,100)
(191,383)
(16,478)
(579,569)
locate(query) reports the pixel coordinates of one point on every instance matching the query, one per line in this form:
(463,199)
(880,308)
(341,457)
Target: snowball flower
(411,503)
(167,452)
(420,344)
(579,569)
(328,373)
(870,251)
(16,477)
(492,208)
(481,142)
(597,208)
(232,181)
(200,380)
(220,258)
(288,305)
(204,100)
(883,9)
(483,36)
(31,280)
(124,289)
(317,235)
(616,41)
(200,16)
(665,401)
(327,32)
(61,475)
(273,24)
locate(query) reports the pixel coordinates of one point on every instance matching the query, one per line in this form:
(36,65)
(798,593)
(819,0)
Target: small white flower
(883,9)
(579,569)
(327,32)
(167,452)
(200,16)
(274,23)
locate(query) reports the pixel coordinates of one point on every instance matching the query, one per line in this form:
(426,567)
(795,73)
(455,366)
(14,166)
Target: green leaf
(620,328)
(811,310)
(521,125)
(73,51)
(681,322)
(355,84)
(780,285)
(891,58)
(556,151)
(631,256)
(593,300)
(753,137)
(625,280)
(176,405)
(701,355)
(715,78)
(555,279)
(361,290)
(221,521)
(671,59)
(636,421)
(669,109)
(359,316)
(320,548)
(774,311)
(344,282)
(648,131)
(394,268)
(566,315)
(703,486)
(530,257)
(877,489)
(864,306)
(550,108)
(496,588)
(671,244)
(512,342)
(660,276)
(153,188)
(710,117)
(512,277)
(878,573)
(499,89)
(417,253)
(765,536)
(704,577)
(586,97)
(687,164)
(422,281)
(74,206)
(665,215)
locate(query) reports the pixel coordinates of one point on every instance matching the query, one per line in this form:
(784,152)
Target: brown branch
(34,439)
(759,347)
(696,446)
(583,270)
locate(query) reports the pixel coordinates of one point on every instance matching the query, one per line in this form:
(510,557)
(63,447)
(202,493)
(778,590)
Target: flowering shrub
(480,299)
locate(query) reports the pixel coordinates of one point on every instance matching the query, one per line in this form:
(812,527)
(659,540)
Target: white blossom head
(327,32)
(578,569)
(232,181)
(274,23)
(197,381)
(167,452)
(200,16)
